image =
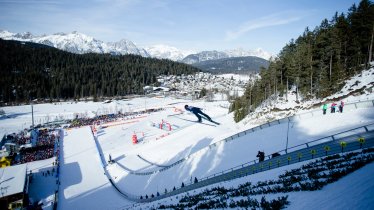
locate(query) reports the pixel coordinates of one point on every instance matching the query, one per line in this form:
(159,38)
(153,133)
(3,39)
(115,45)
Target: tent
(13,186)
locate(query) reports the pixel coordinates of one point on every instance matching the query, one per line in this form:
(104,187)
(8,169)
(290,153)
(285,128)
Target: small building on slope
(14,184)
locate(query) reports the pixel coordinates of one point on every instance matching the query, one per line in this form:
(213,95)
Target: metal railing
(305,115)
(349,140)
(128,196)
(363,132)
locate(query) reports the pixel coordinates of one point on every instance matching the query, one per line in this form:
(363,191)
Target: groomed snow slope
(197,137)
(83,182)
(85,186)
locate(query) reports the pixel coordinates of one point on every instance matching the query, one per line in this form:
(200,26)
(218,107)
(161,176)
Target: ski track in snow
(85,186)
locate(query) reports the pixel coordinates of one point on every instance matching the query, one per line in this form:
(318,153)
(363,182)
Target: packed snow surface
(85,169)
(84,183)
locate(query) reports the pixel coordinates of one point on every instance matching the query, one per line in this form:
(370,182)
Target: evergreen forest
(32,71)
(317,63)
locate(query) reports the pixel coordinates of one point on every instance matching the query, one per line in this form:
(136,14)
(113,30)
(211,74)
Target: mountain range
(80,43)
(215,55)
(238,65)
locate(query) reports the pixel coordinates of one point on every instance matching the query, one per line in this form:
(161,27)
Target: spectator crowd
(27,146)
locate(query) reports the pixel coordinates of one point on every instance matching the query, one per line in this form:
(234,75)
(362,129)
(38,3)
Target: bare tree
(371,46)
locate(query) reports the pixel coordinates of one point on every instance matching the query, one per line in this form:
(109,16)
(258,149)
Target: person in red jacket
(333,106)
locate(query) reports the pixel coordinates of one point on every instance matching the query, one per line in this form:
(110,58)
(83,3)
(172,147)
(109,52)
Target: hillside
(30,71)
(237,65)
(317,62)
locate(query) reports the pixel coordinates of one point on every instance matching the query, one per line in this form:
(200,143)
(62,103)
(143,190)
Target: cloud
(267,21)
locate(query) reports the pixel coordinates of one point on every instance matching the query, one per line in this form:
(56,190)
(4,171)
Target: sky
(185,24)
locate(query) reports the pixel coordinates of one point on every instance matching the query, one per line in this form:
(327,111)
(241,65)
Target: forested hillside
(318,62)
(238,65)
(30,71)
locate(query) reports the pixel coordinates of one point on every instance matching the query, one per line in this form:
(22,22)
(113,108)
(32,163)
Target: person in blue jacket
(197,111)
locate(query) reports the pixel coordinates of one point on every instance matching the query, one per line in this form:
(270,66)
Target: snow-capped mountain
(80,43)
(167,52)
(73,42)
(76,42)
(240,52)
(127,47)
(204,56)
(215,55)
(191,57)
(238,65)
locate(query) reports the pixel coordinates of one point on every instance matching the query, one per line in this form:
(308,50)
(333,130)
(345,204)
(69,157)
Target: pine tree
(317,62)
(41,71)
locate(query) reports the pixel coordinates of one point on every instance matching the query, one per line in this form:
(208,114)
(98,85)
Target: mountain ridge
(239,65)
(80,43)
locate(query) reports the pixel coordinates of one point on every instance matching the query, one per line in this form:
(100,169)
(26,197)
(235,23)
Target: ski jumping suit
(197,111)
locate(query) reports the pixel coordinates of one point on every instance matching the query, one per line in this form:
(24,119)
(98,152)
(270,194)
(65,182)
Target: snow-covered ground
(84,182)
(357,88)
(352,192)
(19,117)
(238,77)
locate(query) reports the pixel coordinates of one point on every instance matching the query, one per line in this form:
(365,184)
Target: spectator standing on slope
(261,156)
(333,106)
(324,108)
(341,106)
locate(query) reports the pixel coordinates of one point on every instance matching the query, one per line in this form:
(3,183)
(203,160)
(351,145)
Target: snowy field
(19,117)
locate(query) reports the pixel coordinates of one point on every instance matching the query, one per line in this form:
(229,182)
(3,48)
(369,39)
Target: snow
(175,54)
(238,77)
(364,80)
(84,184)
(5,34)
(214,55)
(19,117)
(12,180)
(198,149)
(357,88)
(126,47)
(82,175)
(43,187)
(354,191)
(204,56)
(240,52)
(168,52)
(76,42)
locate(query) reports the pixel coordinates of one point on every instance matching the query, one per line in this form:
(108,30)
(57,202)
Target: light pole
(288,129)
(32,113)
(145,101)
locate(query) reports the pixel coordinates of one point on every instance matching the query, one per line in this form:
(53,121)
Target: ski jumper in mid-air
(197,111)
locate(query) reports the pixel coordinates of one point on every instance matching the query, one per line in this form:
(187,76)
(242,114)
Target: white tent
(12,180)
